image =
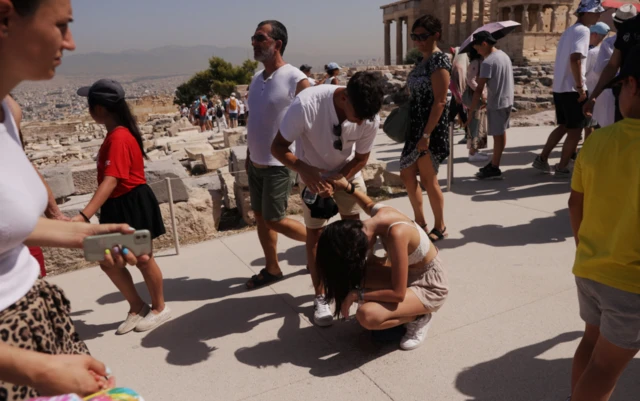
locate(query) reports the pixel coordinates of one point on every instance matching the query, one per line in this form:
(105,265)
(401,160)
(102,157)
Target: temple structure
(543,22)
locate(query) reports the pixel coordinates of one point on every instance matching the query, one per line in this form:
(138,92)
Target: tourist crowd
(320,135)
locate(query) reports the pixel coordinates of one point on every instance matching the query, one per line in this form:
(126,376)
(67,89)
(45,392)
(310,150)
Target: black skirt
(139,208)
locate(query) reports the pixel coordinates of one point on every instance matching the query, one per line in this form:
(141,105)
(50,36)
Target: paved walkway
(507,332)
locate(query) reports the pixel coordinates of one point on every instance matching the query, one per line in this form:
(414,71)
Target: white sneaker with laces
(132,321)
(478,157)
(322,315)
(153,320)
(416,332)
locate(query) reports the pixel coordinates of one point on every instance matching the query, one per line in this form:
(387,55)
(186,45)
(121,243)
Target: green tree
(221,78)
(414,56)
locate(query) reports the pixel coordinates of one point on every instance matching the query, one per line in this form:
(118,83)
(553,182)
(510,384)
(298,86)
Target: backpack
(219,112)
(233,105)
(203,109)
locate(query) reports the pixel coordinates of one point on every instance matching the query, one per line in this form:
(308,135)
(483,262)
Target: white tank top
(425,243)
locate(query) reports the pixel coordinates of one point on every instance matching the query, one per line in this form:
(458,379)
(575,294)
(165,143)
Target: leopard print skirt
(39,322)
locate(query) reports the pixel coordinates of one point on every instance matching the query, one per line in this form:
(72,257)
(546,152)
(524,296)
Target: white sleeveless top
(425,243)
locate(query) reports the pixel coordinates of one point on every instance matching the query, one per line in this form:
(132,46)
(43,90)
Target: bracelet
(85,217)
(352,190)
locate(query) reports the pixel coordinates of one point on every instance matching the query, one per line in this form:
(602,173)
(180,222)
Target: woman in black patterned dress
(428,142)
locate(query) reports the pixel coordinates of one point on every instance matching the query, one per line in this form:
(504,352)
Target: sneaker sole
(323,323)
(414,347)
(497,178)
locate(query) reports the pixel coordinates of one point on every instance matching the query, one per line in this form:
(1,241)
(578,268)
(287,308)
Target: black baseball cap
(631,67)
(322,208)
(484,36)
(305,67)
(105,91)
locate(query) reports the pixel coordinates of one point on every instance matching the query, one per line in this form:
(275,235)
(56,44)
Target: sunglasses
(259,38)
(337,131)
(420,37)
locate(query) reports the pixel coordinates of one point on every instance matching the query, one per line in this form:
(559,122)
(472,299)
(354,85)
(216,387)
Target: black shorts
(569,110)
(138,208)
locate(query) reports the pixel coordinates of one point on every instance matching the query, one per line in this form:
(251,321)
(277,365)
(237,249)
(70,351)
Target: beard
(263,55)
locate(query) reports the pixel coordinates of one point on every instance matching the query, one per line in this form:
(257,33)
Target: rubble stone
(216,159)
(159,170)
(237,165)
(234,137)
(178,190)
(60,180)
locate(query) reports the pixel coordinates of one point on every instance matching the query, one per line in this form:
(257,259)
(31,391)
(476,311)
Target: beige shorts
(347,205)
(430,284)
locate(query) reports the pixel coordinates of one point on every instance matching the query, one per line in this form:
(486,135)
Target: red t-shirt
(121,157)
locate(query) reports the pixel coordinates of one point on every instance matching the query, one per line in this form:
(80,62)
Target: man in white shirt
(598,31)
(334,128)
(272,91)
(570,89)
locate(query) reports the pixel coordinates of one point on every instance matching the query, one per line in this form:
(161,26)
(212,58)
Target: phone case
(140,243)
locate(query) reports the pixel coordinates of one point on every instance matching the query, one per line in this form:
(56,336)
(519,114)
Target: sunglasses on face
(259,38)
(337,131)
(421,37)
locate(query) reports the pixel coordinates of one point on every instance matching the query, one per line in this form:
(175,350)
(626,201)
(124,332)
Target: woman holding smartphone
(40,351)
(123,196)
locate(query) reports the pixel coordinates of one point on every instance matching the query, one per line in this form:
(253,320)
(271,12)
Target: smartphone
(140,243)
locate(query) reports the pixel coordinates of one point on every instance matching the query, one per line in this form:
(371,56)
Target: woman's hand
(339,182)
(119,258)
(77,219)
(67,374)
(348,301)
(423,145)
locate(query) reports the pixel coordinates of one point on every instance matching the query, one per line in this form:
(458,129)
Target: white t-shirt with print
(310,121)
(23,199)
(269,100)
(573,40)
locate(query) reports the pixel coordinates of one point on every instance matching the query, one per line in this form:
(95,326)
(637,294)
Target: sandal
(436,235)
(261,279)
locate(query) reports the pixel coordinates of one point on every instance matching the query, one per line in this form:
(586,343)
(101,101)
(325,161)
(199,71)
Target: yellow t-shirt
(607,172)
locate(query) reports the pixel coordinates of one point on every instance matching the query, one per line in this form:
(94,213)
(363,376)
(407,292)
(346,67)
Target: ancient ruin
(543,22)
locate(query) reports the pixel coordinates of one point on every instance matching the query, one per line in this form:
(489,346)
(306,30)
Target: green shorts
(269,189)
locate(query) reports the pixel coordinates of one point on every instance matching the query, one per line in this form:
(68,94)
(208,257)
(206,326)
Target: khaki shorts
(347,205)
(615,312)
(430,284)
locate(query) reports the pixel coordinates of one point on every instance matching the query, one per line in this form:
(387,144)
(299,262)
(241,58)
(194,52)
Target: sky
(329,26)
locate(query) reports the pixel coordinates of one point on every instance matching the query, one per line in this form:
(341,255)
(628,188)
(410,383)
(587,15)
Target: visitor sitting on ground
(604,216)
(351,273)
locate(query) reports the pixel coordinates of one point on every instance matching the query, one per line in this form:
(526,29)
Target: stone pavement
(507,332)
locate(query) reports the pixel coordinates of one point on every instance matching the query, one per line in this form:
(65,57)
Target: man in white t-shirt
(598,31)
(570,89)
(334,128)
(272,91)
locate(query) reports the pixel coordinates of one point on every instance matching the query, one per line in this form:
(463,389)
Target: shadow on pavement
(185,289)
(90,331)
(556,228)
(296,256)
(521,375)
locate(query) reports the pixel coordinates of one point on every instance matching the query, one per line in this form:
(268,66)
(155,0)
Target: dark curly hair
(430,24)
(341,259)
(278,32)
(366,93)
(26,8)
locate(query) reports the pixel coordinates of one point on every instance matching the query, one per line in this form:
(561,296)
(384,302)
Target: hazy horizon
(330,27)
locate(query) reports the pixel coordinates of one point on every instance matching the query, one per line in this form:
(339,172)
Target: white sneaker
(416,332)
(153,320)
(132,321)
(478,157)
(322,315)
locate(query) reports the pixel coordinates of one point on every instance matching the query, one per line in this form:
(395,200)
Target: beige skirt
(430,284)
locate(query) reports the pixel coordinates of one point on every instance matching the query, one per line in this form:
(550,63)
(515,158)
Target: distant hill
(169,60)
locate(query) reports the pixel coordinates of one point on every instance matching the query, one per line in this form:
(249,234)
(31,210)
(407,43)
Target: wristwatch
(352,190)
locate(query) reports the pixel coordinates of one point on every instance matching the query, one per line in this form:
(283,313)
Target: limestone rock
(178,190)
(159,170)
(60,180)
(175,127)
(243,201)
(227,182)
(216,159)
(237,165)
(195,152)
(85,179)
(234,137)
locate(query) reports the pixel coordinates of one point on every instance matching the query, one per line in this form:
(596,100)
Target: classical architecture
(543,21)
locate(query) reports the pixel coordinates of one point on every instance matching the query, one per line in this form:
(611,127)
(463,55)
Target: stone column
(387,42)
(445,18)
(525,18)
(554,18)
(458,20)
(481,7)
(410,20)
(399,57)
(568,18)
(540,19)
(469,18)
